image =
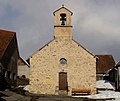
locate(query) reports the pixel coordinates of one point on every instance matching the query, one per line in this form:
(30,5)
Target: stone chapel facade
(62,66)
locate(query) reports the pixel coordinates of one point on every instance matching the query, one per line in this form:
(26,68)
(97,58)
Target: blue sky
(96,24)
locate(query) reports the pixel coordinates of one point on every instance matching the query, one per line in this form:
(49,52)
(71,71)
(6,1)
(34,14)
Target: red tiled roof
(104,63)
(5,39)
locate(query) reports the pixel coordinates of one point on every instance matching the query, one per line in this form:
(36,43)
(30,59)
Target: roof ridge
(64,8)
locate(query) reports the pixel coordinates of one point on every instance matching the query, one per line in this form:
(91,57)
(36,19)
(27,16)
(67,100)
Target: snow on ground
(107,93)
(104,95)
(104,84)
(26,87)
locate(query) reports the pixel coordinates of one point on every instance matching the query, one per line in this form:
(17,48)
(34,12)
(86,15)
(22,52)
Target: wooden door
(63,85)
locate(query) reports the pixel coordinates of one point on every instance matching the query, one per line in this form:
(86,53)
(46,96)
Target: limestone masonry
(62,66)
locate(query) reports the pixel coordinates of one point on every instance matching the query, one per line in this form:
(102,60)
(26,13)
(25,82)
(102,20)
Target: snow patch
(104,84)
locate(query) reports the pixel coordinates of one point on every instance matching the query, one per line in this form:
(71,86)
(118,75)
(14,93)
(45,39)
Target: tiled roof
(5,39)
(104,63)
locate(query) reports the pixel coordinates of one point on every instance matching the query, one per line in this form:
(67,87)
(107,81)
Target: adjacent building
(23,68)
(23,72)
(8,57)
(114,75)
(62,66)
(103,65)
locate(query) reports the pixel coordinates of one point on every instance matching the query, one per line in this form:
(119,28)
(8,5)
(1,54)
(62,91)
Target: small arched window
(63,19)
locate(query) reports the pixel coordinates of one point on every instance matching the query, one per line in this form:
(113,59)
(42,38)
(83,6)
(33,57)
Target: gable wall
(45,68)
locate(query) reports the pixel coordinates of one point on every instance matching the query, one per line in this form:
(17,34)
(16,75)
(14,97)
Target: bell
(63,18)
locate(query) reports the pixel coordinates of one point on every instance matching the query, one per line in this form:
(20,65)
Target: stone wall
(45,67)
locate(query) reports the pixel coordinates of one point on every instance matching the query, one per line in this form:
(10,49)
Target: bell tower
(62,23)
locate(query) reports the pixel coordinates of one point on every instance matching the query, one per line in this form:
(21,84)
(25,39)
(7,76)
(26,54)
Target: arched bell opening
(63,19)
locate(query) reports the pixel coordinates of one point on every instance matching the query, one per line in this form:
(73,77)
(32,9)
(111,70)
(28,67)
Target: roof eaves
(24,61)
(41,48)
(61,8)
(85,49)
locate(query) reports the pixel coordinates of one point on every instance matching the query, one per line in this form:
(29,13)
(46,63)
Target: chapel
(62,66)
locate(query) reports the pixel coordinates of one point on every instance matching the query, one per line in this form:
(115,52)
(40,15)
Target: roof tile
(104,63)
(5,39)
